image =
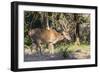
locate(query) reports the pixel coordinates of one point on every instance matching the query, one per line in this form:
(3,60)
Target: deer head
(66,35)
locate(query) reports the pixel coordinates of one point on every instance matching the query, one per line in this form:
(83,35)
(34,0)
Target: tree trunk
(46,20)
(76,19)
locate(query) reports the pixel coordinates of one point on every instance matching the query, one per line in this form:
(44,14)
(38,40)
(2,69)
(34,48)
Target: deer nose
(68,38)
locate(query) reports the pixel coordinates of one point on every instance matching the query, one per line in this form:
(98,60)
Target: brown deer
(48,36)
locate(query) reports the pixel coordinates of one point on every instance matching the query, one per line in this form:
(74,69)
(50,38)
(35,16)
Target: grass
(73,47)
(67,49)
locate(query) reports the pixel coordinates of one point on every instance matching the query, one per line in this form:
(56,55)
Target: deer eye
(61,33)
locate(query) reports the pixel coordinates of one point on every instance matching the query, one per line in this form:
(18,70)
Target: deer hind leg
(39,48)
(51,47)
(34,46)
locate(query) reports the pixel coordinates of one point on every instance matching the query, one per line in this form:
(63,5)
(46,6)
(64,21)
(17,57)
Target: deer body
(49,37)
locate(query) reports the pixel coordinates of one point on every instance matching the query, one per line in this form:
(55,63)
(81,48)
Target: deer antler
(63,25)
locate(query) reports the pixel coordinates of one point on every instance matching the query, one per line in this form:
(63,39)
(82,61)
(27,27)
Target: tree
(77,24)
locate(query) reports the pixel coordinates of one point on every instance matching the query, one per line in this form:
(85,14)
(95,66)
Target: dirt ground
(35,56)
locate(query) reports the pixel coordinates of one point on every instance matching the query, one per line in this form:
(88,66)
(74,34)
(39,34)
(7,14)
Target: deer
(48,36)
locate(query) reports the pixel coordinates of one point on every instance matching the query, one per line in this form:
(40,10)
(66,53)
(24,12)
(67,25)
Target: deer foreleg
(40,48)
(51,47)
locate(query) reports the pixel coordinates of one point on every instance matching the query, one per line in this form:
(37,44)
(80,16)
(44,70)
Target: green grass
(66,49)
(73,47)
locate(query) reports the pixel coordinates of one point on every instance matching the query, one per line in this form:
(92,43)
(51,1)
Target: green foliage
(36,20)
(27,41)
(67,49)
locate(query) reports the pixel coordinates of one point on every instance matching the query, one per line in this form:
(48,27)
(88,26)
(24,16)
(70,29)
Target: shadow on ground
(78,54)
